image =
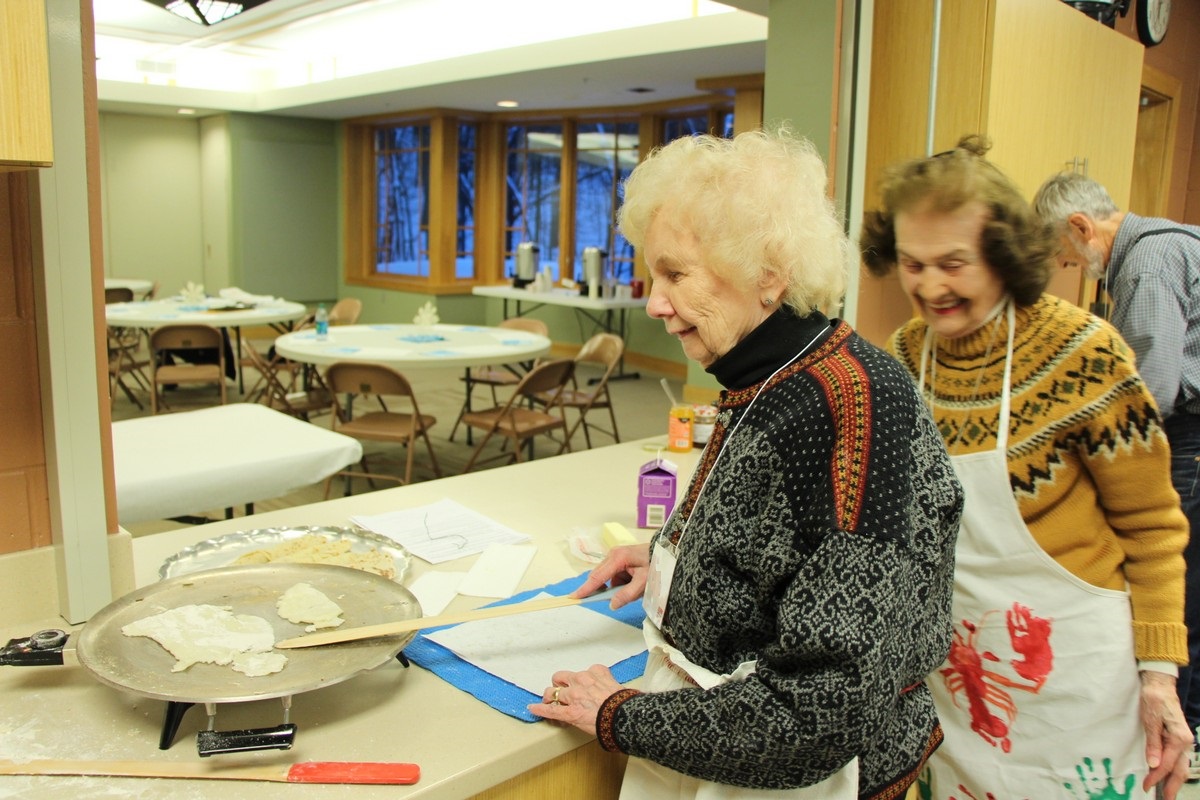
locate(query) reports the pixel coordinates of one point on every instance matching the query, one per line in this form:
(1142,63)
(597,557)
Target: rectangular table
(176,464)
(600,311)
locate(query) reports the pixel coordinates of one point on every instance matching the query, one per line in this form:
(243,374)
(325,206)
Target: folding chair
(124,361)
(118,294)
(345,311)
(124,358)
(492,376)
(282,386)
(519,424)
(352,383)
(605,350)
(198,340)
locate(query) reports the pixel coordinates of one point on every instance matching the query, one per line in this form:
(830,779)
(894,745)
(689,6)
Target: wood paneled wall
(25,515)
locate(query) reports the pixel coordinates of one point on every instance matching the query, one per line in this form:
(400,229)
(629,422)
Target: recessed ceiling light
(186,111)
(508,104)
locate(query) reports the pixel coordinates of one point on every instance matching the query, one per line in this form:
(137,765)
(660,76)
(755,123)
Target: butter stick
(615,534)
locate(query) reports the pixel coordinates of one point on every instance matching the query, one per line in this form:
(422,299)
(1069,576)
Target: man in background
(1150,268)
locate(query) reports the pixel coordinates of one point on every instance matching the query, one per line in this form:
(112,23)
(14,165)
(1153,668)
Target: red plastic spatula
(376,772)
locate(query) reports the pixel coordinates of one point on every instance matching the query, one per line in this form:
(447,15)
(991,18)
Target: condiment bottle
(679,428)
(702,425)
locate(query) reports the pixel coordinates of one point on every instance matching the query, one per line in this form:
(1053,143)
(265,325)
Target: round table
(410,346)
(215,311)
(139,286)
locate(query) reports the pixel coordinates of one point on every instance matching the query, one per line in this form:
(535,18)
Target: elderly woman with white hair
(800,592)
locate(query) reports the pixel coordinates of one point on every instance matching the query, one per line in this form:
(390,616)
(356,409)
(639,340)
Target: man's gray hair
(1068,193)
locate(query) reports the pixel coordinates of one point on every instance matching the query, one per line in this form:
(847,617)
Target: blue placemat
(501,695)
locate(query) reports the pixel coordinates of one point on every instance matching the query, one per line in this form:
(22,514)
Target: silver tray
(141,665)
(224,550)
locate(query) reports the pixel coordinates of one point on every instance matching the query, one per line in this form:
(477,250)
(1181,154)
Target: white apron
(646,780)
(1039,696)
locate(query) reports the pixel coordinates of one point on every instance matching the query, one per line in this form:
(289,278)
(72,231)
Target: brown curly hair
(1015,242)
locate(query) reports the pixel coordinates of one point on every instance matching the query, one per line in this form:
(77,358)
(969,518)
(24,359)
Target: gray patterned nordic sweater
(823,547)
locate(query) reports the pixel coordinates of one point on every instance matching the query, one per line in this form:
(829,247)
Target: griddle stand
(213,742)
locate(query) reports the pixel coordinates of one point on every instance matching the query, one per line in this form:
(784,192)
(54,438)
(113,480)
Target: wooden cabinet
(1052,88)
(25,135)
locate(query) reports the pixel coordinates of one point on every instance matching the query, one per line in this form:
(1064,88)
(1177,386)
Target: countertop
(390,713)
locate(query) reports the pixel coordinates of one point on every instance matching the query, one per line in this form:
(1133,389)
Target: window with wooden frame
(412,187)
(533,192)
(605,153)
(440,202)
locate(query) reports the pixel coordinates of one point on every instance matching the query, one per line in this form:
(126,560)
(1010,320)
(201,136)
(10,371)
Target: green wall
(150,192)
(283,178)
(256,201)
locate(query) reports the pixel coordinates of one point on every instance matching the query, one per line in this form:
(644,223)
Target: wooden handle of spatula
(362,772)
(421,623)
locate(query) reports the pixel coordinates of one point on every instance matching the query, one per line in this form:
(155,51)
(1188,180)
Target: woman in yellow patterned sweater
(1068,600)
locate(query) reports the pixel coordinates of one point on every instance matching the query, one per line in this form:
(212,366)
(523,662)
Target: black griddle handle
(211,743)
(44,648)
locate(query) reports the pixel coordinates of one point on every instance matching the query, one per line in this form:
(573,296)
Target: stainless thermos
(527,261)
(593,271)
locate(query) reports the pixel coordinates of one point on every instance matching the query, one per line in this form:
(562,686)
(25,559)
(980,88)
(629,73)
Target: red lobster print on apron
(1039,695)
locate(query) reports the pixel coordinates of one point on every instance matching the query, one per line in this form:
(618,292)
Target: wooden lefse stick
(305,772)
(420,623)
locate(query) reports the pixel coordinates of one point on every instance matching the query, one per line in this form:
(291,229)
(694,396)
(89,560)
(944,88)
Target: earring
(768,301)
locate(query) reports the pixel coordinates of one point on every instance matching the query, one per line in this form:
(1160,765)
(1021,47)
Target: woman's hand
(1168,739)
(625,566)
(576,697)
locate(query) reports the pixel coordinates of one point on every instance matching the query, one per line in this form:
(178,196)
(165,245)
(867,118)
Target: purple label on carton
(656,492)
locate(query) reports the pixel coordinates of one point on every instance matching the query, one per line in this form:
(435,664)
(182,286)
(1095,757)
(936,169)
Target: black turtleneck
(768,347)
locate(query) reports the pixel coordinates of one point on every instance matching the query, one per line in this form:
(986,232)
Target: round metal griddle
(141,665)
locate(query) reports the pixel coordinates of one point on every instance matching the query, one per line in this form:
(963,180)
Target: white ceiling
(347,58)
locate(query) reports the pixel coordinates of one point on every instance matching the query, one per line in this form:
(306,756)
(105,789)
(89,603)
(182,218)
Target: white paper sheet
(435,590)
(498,571)
(527,649)
(441,531)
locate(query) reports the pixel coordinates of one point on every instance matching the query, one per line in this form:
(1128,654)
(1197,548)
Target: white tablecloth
(404,346)
(213,311)
(193,461)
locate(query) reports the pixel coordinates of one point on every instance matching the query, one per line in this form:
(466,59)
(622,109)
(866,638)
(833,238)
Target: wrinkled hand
(625,566)
(576,697)
(1168,739)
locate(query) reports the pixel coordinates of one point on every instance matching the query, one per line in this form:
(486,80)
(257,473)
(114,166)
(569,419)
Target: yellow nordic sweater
(1088,461)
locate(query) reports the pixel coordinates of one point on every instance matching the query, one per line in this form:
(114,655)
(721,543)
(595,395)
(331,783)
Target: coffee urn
(527,261)
(593,271)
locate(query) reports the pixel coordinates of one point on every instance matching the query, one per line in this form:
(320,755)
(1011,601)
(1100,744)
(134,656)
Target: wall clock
(1152,19)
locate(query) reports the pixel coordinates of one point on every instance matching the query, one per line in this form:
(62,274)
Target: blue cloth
(501,695)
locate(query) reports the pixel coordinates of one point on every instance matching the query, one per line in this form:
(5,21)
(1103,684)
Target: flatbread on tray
(313,548)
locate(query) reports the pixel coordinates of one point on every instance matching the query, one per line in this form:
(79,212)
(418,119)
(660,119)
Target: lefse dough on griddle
(302,603)
(206,634)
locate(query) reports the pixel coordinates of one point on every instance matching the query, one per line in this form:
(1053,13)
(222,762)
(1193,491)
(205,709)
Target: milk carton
(656,492)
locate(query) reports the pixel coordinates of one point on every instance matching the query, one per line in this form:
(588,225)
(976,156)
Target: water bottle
(322,323)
